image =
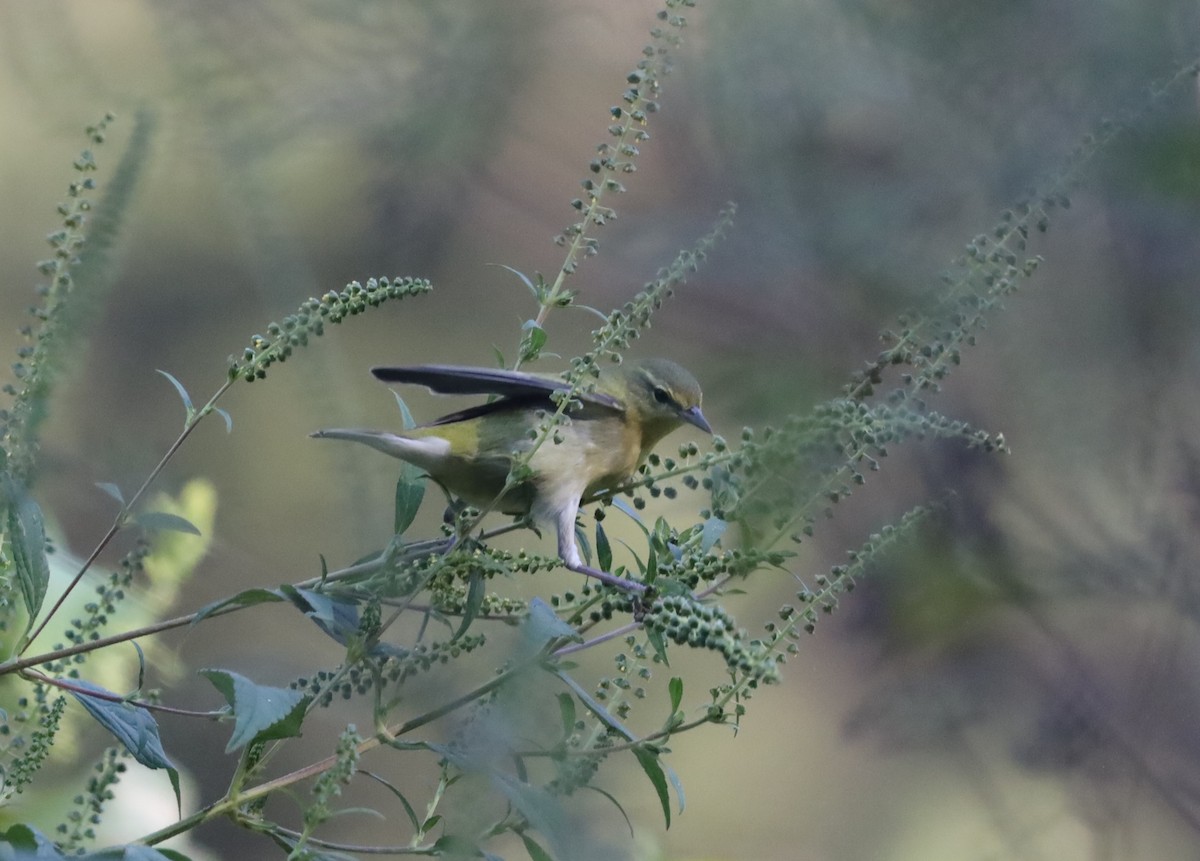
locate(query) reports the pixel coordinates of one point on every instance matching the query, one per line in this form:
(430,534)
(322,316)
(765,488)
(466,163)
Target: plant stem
(230,803)
(190,425)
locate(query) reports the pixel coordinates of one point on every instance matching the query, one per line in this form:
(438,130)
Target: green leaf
(134,727)
(260,712)
(228,418)
(617,804)
(675,689)
(183,395)
(524,280)
(675,782)
(566,709)
(532,341)
(541,809)
(410,490)
(603,548)
(408,808)
(132,852)
(628,510)
(648,760)
(27,843)
(112,490)
(475,595)
(714,528)
(27,543)
(406,417)
(536,852)
(585,546)
(165,520)
(454,846)
(248,598)
(542,625)
(651,565)
(338,619)
(592,705)
(655,638)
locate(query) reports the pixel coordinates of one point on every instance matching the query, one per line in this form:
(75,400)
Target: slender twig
(123,515)
(82,690)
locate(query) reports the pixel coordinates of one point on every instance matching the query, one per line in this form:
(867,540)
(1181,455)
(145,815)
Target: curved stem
(190,425)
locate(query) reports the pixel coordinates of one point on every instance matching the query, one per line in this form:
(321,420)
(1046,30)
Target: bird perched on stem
(607,434)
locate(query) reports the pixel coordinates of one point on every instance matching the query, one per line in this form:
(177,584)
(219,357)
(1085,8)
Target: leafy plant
(539,728)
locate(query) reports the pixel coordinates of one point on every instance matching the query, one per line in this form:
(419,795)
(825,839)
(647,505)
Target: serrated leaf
(536,852)
(165,520)
(603,548)
(27,544)
(260,712)
(112,490)
(410,490)
(649,763)
(473,603)
(27,843)
(183,394)
(135,728)
(248,598)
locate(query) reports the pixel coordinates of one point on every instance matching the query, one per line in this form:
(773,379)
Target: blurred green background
(1022,683)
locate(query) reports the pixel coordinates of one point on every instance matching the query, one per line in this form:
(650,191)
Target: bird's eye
(661,395)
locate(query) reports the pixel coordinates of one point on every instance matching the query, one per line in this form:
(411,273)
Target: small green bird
(609,434)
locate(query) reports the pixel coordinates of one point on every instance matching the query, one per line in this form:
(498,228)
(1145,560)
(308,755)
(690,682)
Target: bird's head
(662,396)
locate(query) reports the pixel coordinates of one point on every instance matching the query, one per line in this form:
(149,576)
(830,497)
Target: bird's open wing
(455,380)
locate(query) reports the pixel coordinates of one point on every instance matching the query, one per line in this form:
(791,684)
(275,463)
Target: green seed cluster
(573,772)
(841,578)
(34,749)
(34,366)
(328,787)
(362,678)
(687,622)
(626,323)
(785,478)
(628,132)
(87,810)
(309,321)
(96,613)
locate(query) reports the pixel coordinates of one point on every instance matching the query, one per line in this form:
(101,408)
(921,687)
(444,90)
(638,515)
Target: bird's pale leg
(569,552)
